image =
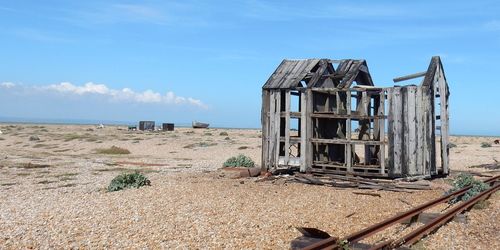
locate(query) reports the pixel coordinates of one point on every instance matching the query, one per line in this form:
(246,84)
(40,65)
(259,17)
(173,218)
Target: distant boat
(200,124)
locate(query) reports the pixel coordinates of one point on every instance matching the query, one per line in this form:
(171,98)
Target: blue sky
(179,61)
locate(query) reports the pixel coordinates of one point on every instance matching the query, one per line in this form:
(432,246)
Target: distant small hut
(146,125)
(327,117)
(167,127)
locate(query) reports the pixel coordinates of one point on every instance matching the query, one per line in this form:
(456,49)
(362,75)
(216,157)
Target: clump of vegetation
(223,133)
(452,145)
(465,180)
(70,137)
(34,138)
(208,134)
(128,180)
(243,147)
(200,144)
(114,150)
(30,165)
(227,138)
(485,144)
(239,161)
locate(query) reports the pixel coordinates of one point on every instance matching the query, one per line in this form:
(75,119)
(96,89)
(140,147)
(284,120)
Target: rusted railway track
(412,237)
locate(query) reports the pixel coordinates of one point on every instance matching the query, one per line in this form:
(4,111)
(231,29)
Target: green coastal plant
(239,161)
(465,180)
(128,180)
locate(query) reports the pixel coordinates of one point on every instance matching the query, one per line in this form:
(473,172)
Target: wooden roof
(289,73)
(319,73)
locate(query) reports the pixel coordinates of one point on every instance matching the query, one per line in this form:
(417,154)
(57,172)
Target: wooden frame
(396,126)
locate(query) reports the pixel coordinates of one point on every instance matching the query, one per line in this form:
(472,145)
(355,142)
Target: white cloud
(7,85)
(125,94)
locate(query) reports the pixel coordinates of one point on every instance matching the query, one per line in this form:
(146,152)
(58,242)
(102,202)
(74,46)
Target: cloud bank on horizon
(125,94)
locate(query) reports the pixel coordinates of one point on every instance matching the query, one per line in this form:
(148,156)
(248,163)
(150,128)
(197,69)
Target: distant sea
(94,122)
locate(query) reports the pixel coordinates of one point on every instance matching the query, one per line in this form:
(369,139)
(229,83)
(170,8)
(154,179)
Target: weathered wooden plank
(342,141)
(443,92)
(272,130)
(339,104)
(303,131)
(381,112)
(309,128)
(348,146)
(420,126)
(411,131)
(277,128)
(397,131)
(287,126)
(408,77)
(352,116)
(265,129)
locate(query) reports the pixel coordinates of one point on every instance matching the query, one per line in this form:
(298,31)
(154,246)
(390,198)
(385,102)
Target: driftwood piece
(370,194)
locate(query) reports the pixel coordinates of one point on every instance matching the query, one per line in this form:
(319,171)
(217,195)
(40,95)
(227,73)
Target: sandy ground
(53,194)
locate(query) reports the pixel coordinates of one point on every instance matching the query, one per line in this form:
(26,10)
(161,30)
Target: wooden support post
(420,125)
(265,129)
(277,128)
(381,112)
(348,146)
(287,127)
(337,99)
(309,128)
(443,95)
(303,131)
(272,131)
(410,130)
(396,131)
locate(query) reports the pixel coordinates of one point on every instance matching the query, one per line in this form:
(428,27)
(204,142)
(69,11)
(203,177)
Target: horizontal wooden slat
(344,141)
(352,116)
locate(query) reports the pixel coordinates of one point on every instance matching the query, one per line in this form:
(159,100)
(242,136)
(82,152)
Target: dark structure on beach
(146,125)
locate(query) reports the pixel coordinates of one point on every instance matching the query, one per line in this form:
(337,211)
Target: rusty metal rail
(333,243)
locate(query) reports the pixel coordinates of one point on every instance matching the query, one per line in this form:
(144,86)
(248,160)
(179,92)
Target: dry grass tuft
(114,150)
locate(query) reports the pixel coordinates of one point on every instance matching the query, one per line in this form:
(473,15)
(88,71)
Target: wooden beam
(443,91)
(309,128)
(277,128)
(265,130)
(348,146)
(396,131)
(381,112)
(272,130)
(345,141)
(287,126)
(408,77)
(303,131)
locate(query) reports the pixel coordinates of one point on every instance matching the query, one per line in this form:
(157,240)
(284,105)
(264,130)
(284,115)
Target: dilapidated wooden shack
(327,117)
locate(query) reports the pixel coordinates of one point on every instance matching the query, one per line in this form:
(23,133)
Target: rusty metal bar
(391,221)
(416,235)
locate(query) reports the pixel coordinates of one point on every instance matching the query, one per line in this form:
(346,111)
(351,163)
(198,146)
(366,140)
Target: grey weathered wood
(382,132)
(265,130)
(420,126)
(411,131)
(396,130)
(345,141)
(443,93)
(408,77)
(272,130)
(309,127)
(348,146)
(303,131)
(325,133)
(287,126)
(277,127)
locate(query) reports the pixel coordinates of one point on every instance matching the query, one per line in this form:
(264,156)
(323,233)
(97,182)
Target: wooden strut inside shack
(326,116)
